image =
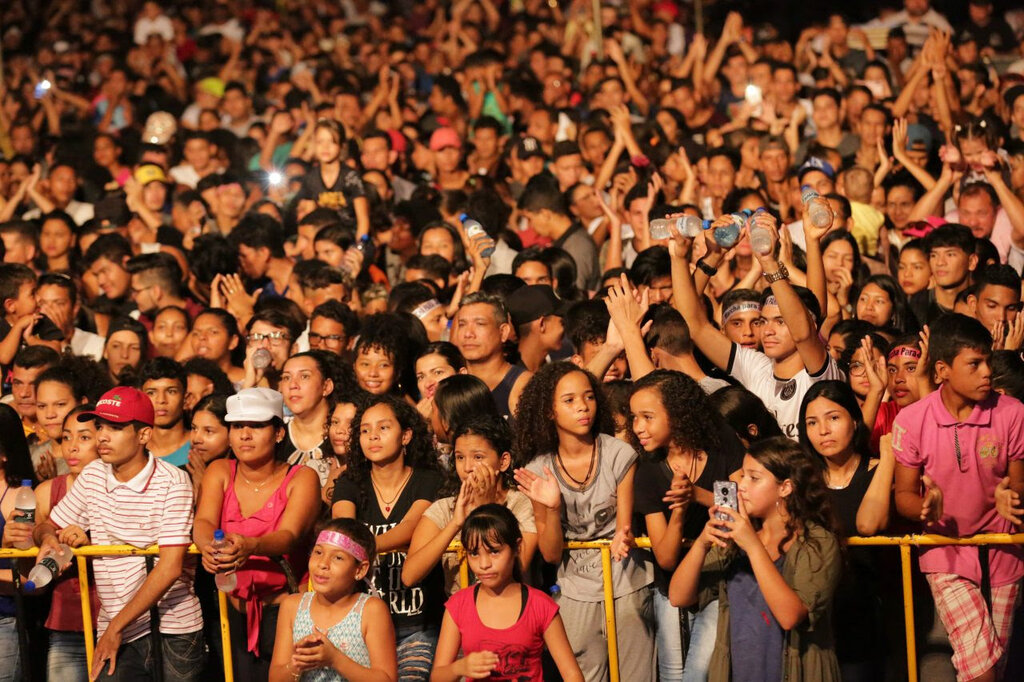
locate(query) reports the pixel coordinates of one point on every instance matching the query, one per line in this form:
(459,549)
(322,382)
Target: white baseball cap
(255,405)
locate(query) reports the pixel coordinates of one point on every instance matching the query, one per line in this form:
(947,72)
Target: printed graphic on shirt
(988,448)
(335,200)
(387,580)
(513,661)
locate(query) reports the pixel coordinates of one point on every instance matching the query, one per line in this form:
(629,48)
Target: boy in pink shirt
(964,446)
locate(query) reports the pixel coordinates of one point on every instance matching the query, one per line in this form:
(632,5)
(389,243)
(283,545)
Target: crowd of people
(322,288)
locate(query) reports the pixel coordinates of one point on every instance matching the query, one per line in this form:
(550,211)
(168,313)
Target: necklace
(388,503)
(853,472)
(256,487)
(590,468)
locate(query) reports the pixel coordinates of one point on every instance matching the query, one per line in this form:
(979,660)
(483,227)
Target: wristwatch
(781,273)
(708,270)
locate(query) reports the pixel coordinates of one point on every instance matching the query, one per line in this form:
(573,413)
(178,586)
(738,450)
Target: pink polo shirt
(923,437)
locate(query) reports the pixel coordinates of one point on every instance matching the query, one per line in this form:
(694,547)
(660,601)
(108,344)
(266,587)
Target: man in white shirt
(57,298)
(152,20)
(129,496)
(916,19)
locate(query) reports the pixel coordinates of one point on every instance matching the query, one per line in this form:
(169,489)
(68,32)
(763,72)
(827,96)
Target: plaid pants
(978,638)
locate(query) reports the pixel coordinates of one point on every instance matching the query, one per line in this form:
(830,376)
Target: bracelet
(708,270)
(780,274)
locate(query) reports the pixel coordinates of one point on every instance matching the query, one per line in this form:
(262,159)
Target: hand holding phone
(725,493)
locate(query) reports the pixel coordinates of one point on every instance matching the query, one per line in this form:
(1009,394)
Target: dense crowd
(323,287)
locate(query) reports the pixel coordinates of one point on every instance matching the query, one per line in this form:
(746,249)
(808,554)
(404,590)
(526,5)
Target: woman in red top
(66,656)
(500,624)
(267,509)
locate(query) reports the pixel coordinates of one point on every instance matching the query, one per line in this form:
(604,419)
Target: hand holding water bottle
(25,512)
(51,563)
(817,214)
(226,580)
(764,228)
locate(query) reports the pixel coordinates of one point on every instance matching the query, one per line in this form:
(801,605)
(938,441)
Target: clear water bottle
(476,232)
(819,211)
(226,582)
(727,235)
(51,564)
(760,236)
(261,358)
(688,226)
(555,591)
(25,505)
(364,247)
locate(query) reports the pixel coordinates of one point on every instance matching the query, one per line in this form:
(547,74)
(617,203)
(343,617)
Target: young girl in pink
(500,625)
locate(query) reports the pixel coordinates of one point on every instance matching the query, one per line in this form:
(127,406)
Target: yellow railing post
(83,586)
(225,636)
(908,612)
(463,567)
(609,613)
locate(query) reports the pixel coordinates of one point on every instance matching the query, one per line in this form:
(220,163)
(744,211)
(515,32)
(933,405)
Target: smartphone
(725,496)
(753,95)
(46,330)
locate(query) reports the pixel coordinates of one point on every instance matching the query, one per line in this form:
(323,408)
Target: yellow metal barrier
(904,543)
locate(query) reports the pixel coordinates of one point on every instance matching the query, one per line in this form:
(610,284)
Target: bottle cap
(29,585)
(555,589)
(26,483)
(218,535)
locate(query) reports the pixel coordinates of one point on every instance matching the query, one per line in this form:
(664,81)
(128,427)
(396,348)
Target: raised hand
(543,490)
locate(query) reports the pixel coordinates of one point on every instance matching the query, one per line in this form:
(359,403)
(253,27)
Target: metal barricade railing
(83,554)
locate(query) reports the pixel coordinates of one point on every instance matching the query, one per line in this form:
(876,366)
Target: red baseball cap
(445,137)
(122,404)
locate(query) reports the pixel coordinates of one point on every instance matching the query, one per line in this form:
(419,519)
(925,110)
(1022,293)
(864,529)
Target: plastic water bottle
(475,231)
(261,358)
(51,564)
(687,226)
(25,504)
(760,236)
(555,591)
(364,247)
(820,213)
(226,582)
(727,235)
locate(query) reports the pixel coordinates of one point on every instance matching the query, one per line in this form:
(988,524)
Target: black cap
(529,146)
(533,302)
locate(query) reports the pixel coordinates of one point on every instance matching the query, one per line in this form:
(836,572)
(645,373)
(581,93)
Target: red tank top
(260,577)
(66,607)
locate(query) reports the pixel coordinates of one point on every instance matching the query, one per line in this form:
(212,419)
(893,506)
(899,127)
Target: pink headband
(330,537)
(904,352)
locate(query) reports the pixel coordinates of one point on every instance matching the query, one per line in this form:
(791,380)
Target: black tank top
(846,501)
(502,391)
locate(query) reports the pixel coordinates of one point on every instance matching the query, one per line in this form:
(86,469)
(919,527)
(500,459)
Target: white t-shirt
(782,397)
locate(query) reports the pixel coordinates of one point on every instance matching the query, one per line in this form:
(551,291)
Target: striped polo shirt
(154,507)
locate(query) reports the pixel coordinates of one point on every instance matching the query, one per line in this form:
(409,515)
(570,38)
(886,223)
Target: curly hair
(694,423)
(419,453)
(535,430)
(84,376)
(809,501)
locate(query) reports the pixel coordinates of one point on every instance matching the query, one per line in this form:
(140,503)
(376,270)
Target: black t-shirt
(925,308)
(412,608)
(653,478)
(339,196)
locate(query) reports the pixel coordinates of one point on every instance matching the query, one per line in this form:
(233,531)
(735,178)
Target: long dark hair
(809,501)
(419,453)
(14,454)
(536,433)
(694,423)
(901,318)
(493,525)
(462,396)
(741,410)
(841,394)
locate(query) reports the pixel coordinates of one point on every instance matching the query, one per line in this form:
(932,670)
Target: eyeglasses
(276,338)
(330,338)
